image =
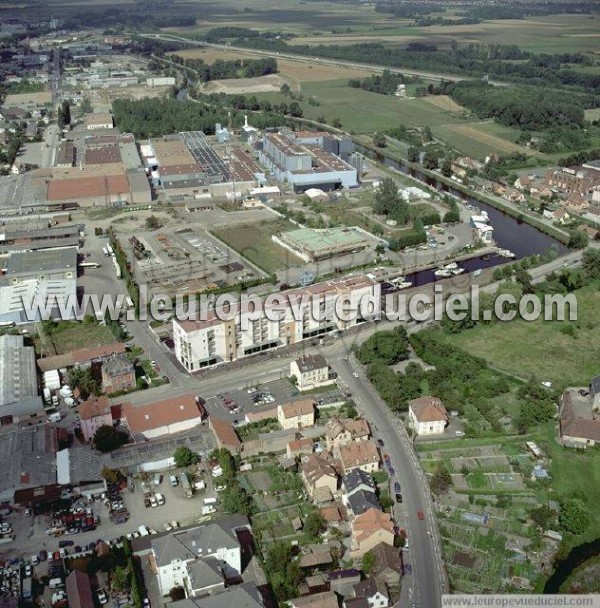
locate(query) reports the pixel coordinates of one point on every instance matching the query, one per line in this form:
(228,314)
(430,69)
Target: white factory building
(301,314)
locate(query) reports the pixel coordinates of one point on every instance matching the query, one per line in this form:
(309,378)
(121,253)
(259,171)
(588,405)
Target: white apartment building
(300,314)
(311,371)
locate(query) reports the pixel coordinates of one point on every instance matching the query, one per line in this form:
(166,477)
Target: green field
(253,241)
(64,336)
(540,348)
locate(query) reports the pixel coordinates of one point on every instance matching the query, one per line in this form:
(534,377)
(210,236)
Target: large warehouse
(306,160)
(313,245)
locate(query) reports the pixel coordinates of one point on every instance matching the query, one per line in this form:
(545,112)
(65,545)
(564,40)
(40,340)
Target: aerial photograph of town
(299,303)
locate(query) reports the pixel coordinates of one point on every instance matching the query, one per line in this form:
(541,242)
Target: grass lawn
(66,336)
(253,241)
(540,348)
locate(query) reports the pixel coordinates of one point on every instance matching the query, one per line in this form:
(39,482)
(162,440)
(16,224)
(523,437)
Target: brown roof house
(362,455)
(427,415)
(79,590)
(341,432)
(94,413)
(326,599)
(317,473)
(164,417)
(296,415)
(299,447)
(579,418)
(369,529)
(388,564)
(374,590)
(118,374)
(225,435)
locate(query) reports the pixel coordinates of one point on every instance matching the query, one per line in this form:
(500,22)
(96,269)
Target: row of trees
(221,69)
(386,84)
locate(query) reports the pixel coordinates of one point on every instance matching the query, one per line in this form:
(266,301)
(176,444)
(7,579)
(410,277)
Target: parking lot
(235,404)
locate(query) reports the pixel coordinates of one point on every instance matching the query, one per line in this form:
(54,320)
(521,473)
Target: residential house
(326,599)
(341,580)
(356,481)
(79,590)
(225,435)
(296,415)
(560,216)
(94,413)
(173,556)
(118,374)
(576,201)
(316,559)
(362,501)
(333,516)
(341,432)
(374,591)
(317,583)
(164,417)
(573,180)
(311,371)
(299,447)
(579,419)
(387,565)
(362,455)
(316,473)
(369,529)
(427,415)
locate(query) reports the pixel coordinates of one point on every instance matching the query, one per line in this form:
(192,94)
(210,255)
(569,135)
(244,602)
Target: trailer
(89,265)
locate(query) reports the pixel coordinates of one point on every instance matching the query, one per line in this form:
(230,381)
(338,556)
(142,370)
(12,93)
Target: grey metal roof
(309,363)
(355,478)
(201,540)
(117,365)
(18,380)
(47,261)
(245,595)
(362,501)
(205,573)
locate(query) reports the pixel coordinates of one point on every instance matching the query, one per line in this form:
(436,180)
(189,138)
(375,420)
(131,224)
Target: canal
(509,233)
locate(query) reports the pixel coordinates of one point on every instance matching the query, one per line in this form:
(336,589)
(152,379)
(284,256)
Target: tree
(590,263)
(368,561)
(441,480)
(413,155)
(314,524)
(337,123)
(430,160)
(379,140)
(541,516)
(578,239)
(427,135)
(107,438)
(389,347)
(574,516)
(283,571)
(153,223)
(118,578)
(446,167)
(387,199)
(111,475)
(176,594)
(285,89)
(235,499)
(184,457)
(295,110)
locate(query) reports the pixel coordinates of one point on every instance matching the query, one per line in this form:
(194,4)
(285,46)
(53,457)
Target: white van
(210,501)
(173,479)
(157,479)
(54,583)
(54,417)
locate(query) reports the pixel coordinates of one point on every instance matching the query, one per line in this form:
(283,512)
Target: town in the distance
(165,444)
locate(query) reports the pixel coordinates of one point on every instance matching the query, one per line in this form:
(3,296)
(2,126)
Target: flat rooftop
(34,261)
(312,240)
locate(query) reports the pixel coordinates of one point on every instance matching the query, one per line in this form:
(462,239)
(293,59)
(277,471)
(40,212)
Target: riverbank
(505,207)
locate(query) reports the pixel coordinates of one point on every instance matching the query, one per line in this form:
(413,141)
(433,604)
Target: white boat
(457,270)
(451,266)
(505,253)
(404,285)
(442,272)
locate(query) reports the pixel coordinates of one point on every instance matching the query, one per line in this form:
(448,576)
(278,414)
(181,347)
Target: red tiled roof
(86,187)
(94,407)
(224,432)
(428,409)
(160,413)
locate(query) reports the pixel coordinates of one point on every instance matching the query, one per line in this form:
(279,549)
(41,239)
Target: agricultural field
(253,241)
(478,139)
(445,103)
(543,349)
(593,114)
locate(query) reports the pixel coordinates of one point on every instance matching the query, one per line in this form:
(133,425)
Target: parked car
(102,598)
(420,515)
(398,497)
(397,487)
(380,442)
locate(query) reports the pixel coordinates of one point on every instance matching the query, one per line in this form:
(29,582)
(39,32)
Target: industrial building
(308,159)
(214,340)
(312,245)
(48,277)
(15,240)
(18,380)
